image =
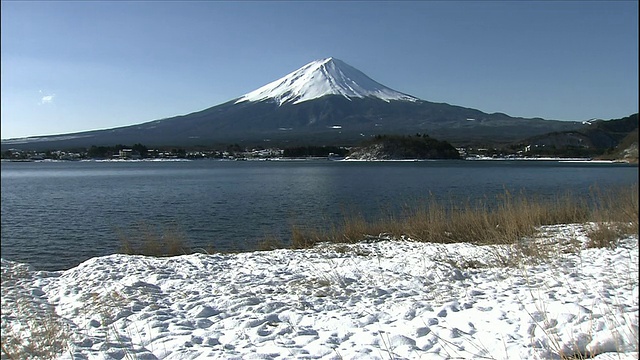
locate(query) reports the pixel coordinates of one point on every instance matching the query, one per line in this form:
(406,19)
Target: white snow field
(385,299)
(318,78)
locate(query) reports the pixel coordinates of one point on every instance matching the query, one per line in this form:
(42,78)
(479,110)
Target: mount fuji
(325,102)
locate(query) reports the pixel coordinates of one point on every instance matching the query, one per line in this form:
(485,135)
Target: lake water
(58,214)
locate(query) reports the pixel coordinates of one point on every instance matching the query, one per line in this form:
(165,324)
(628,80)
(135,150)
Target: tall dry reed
(143,239)
(503,220)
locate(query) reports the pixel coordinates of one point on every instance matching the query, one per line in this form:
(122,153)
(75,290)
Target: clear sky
(71,66)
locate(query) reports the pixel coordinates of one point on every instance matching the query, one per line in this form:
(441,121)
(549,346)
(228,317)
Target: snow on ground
(372,300)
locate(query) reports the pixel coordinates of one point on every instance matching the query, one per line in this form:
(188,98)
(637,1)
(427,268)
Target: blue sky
(71,66)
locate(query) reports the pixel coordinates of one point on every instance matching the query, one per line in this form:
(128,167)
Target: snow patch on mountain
(328,76)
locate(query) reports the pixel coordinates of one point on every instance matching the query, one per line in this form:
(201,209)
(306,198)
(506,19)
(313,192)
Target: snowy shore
(374,300)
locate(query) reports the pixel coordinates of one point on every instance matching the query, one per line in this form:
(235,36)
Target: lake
(58,214)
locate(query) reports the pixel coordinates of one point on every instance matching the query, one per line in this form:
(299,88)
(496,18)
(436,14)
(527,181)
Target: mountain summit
(319,78)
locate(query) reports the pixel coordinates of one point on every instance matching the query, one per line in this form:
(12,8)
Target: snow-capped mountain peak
(328,76)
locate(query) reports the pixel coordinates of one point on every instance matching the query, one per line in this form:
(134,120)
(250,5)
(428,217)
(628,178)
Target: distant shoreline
(558,159)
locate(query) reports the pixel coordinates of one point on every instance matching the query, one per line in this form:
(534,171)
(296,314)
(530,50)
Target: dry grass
(607,235)
(30,327)
(143,239)
(616,215)
(271,242)
(505,220)
(39,335)
(352,229)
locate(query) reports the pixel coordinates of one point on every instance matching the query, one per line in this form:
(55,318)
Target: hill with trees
(400,147)
(596,139)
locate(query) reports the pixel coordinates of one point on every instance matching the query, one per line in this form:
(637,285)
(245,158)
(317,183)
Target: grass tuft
(30,327)
(142,239)
(607,235)
(270,243)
